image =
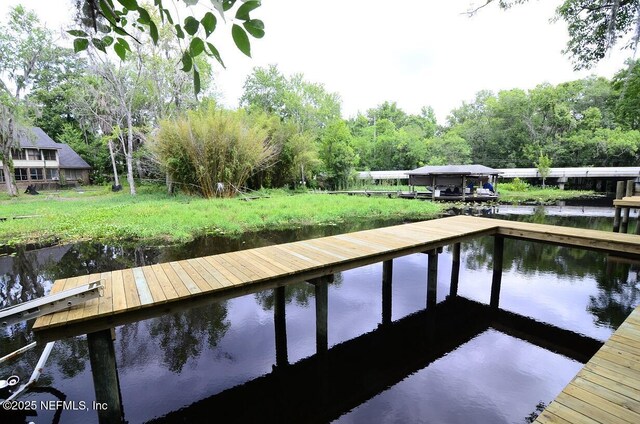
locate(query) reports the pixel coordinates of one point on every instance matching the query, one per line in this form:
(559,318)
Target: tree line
(140,117)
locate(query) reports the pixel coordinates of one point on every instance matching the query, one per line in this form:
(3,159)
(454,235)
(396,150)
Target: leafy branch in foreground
(114,22)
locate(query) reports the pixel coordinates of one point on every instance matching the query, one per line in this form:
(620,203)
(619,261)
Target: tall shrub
(212,151)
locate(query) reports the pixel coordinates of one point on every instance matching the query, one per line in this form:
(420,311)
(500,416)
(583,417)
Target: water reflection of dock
(324,386)
(150,291)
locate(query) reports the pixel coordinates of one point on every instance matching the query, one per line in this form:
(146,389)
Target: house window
(36,173)
(1,177)
(33,154)
(49,154)
(72,174)
(21,174)
(18,154)
(52,174)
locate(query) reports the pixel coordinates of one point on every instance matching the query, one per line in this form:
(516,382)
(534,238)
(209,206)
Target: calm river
(217,363)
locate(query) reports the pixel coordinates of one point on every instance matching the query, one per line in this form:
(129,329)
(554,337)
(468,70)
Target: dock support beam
(498,254)
(625,212)
(387,275)
(455,270)
(280,323)
(432,278)
(619,194)
(105,376)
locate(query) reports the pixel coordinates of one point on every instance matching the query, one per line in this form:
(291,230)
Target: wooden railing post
(105,376)
(496,281)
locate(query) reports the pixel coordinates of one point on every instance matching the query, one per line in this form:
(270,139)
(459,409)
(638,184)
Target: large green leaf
(243,11)
(187,62)
(215,53)
(196,80)
(124,43)
(153,31)
(129,4)
(120,50)
(209,23)
(191,25)
(144,16)
(179,31)
(254,27)
(196,47)
(227,4)
(98,44)
(77,33)
(241,39)
(80,44)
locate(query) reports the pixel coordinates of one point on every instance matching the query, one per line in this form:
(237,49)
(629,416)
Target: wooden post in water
(105,376)
(496,281)
(464,187)
(616,218)
(625,212)
(433,187)
(432,278)
(322,300)
(387,273)
(280,323)
(455,270)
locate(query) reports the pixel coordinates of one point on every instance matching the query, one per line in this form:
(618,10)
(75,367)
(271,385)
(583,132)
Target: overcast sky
(413,52)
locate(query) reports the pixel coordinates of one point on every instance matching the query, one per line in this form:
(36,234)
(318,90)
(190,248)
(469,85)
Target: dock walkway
(605,391)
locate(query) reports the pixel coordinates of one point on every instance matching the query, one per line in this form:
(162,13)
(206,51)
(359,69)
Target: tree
(626,84)
(337,154)
(114,23)
(305,103)
(544,167)
(25,50)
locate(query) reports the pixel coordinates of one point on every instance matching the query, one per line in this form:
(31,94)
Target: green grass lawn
(153,216)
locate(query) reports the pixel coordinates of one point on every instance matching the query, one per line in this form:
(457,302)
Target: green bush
(516,185)
(212,146)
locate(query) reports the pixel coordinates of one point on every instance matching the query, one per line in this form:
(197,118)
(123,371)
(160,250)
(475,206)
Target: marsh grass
(155,217)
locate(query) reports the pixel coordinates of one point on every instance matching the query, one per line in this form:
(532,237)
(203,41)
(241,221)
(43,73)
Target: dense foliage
(289,131)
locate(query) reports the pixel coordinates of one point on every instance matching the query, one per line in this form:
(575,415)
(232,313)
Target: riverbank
(542,195)
(155,217)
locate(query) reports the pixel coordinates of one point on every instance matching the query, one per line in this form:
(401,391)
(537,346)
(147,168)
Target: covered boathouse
(456,182)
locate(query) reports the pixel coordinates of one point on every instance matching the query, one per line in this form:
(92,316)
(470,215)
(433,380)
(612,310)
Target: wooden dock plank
(106,301)
(184,276)
(168,290)
(77,312)
(142,287)
(119,298)
(200,281)
(205,274)
(155,288)
(213,270)
(61,316)
(130,290)
(175,281)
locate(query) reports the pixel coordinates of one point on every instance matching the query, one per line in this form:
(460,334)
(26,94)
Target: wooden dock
(606,390)
(144,292)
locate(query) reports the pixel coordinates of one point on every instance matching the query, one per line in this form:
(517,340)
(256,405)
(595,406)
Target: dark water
(456,363)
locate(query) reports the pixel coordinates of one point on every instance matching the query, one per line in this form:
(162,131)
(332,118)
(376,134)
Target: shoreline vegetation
(154,217)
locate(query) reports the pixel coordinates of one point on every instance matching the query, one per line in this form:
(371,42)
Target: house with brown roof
(40,161)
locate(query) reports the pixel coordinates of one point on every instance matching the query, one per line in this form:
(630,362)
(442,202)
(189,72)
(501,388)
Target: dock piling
(387,276)
(625,211)
(432,278)
(105,376)
(455,270)
(322,300)
(496,281)
(620,188)
(280,324)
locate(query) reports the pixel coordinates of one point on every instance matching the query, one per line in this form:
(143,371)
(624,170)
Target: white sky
(414,52)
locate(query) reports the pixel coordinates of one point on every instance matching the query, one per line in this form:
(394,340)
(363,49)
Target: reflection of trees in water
(21,280)
(300,293)
(90,258)
(181,336)
(529,257)
(618,295)
(70,356)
